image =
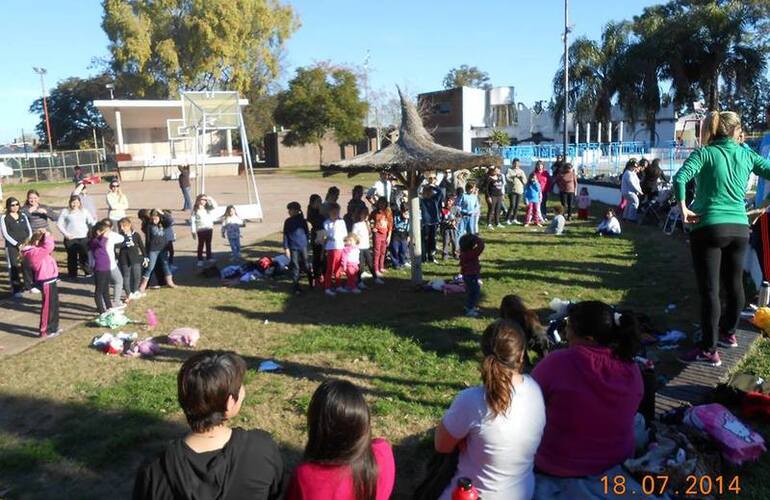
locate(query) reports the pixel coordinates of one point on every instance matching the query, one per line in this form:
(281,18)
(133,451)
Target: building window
(504,115)
(442,108)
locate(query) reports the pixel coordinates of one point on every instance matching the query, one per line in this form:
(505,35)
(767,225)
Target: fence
(60,165)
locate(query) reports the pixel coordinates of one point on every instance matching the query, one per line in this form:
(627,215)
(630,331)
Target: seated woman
(496,426)
(538,343)
(214,460)
(592,391)
(341,460)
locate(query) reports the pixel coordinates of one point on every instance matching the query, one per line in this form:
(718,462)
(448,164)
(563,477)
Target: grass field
(75,423)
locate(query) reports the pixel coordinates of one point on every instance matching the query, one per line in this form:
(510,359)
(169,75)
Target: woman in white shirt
(117,202)
(497,426)
(74,222)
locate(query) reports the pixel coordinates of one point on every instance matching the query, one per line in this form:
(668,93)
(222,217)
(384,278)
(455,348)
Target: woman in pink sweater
(37,255)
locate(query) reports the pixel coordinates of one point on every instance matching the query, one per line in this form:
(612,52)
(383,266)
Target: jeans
(204,239)
(475,223)
(513,206)
(187,198)
(235,246)
(157,258)
(428,242)
(380,248)
(132,276)
(399,249)
(718,252)
(629,212)
(299,264)
(449,239)
(495,205)
(116,277)
(567,199)
(77,254)
(472,291)
(102,291)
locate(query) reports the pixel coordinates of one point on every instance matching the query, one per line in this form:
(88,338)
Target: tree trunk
(713,97)
(320,154)
(415,230)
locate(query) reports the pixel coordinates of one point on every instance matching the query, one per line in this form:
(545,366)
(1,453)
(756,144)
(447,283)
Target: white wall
(474,113)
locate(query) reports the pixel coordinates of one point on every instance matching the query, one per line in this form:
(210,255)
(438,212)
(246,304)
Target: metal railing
(60,165)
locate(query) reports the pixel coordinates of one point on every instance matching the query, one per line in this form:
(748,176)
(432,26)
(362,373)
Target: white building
(144,149)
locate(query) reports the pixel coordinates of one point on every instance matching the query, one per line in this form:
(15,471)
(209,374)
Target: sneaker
(211,260)
(366,274)
(51,335)
(342,289)
(539,225)
(508,223)
(330,292)
(200,263)
(699,355)
(407,264)
(499,225)
(379,281)
(728,341)
(355,290)
(34,290)
(88,276)
(516,223)
(490,226)
(472,313)
(362,286)
(18,295)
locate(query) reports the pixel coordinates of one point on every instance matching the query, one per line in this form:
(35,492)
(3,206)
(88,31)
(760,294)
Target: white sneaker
(366,274)
(517,223)
(34,290)
(362,286)
(330,292)
(342,289)
(408,264)
(354,290)
(499,225)
(490,226)
(200,263)
(379,281)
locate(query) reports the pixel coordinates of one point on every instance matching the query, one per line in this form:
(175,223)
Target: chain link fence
(60,165)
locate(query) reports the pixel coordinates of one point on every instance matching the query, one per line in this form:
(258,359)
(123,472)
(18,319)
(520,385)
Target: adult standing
(38,217)
(652,175)
(544,179)
(567,182)
(74,222)
(316,221)
(81,191)
(517,179)
(16,230)
(630,190)
(185,186)
(720,234)
(117,202)
(494,190)
(382,188)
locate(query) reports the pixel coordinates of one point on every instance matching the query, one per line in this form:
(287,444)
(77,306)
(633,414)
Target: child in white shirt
(610,225)
(335,233)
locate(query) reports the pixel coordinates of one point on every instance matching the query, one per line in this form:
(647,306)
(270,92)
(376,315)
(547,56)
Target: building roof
(414,151)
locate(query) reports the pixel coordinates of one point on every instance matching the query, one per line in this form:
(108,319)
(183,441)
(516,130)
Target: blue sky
(412,43)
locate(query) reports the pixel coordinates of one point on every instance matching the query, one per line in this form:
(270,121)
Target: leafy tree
(162,46)
(499,138)
(321,100)
(71,111)
(594,74)
(467,76)
(751,103)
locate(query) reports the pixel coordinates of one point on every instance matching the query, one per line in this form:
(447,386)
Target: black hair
(469,187)
(10,201)
(631,163)
(331,207)
(205,383)
(294,205)
(333,192)
(339,433)
(468,241)
(607,327)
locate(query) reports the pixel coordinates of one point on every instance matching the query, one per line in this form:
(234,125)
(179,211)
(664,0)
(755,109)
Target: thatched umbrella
(409,158)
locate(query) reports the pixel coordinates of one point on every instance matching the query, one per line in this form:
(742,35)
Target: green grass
(75,417)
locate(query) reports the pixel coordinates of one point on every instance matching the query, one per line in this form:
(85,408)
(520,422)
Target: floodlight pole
(566,74)
(42,72)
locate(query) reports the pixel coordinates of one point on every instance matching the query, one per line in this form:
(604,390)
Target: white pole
(620,131)
(599,132)
(588,132)
(609,132)
(203,157)
(119,130)
(229,140)
(577,137)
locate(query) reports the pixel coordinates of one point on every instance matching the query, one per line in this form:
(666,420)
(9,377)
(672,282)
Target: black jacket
(131,251)
(248,467)
(15,232)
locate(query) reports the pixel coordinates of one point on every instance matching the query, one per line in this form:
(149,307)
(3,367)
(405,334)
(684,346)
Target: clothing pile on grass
(129,344)
(265,267)
(446,286)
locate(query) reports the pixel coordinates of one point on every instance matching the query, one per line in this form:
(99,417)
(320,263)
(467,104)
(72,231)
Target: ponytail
(718,125)
(502,345)
(618,330)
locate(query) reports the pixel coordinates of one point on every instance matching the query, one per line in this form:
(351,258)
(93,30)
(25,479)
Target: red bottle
(465,490)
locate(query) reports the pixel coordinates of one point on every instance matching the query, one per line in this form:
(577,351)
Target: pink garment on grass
(591,399)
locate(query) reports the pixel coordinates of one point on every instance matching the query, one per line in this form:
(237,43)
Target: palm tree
(593,74)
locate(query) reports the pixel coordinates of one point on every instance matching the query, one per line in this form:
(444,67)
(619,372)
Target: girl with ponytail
(720,227)
(592,391)
(497,425)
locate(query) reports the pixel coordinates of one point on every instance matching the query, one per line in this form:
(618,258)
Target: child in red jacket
(37,255)
(471,247)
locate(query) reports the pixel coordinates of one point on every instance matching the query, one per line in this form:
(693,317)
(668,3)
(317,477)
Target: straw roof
(414,151)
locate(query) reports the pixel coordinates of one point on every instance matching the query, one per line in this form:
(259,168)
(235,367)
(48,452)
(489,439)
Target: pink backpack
(737,442)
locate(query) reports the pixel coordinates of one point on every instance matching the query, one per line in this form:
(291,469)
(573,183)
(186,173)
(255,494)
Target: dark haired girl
(341,460)
(316,220)
(16,230)
(592,391)
(538,344)
(496,425)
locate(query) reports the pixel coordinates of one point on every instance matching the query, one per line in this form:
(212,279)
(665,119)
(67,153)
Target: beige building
(144,150)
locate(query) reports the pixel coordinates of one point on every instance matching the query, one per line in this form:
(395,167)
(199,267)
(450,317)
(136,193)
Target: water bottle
(465,490)
(764,294)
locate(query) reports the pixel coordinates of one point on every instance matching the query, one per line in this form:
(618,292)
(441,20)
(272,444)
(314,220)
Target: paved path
(19,319)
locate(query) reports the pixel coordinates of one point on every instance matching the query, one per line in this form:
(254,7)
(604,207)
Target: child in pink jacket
(351,263)
(37,254)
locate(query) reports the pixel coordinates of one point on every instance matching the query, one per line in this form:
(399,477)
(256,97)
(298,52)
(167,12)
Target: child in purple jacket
(101,266)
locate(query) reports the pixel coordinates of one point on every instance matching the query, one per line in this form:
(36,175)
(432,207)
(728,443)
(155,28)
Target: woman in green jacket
(720,233)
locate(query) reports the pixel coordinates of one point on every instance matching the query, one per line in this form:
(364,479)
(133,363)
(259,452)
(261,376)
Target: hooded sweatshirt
(40,261)
(248,467)
(607,391)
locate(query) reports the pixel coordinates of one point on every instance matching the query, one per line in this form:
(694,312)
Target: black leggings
(718,252)
(495,205)
(102,292)
(567,199)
